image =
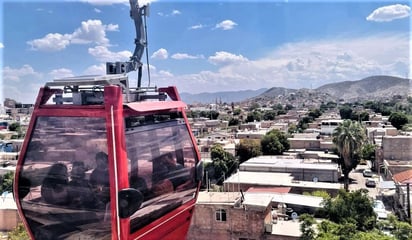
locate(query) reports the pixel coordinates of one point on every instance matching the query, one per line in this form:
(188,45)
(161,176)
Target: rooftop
(276,179)
(282,162)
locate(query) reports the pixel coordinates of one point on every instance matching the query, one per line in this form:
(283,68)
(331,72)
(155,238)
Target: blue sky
(206,46)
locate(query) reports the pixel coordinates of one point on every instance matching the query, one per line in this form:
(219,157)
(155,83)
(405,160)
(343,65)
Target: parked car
(370,182)
(379,209)
(367,173)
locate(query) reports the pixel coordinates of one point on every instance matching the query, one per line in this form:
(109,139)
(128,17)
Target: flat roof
(257,201)
(282,162)
(287,228)
(225,198)
(277,179)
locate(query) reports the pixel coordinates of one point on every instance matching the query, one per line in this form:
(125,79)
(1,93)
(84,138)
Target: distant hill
(375,87)
(228,96)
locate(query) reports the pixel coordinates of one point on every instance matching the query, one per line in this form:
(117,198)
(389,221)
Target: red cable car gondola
(96,165)
(101,160)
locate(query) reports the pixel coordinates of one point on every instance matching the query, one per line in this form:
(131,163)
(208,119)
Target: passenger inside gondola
(54,189)
(80,191)
(99,180)
(168,172)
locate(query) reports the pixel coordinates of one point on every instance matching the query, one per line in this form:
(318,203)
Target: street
(358,181)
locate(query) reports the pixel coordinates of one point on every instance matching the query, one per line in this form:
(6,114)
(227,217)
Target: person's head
(101,160)
(78,170)
(168,160)
(58,171)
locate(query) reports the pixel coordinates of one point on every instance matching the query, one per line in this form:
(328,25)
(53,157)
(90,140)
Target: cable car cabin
(102,161)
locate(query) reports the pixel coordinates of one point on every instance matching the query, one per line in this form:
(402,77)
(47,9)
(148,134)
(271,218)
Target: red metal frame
(173,225)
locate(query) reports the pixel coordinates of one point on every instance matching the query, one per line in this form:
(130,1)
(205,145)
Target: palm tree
(348,138)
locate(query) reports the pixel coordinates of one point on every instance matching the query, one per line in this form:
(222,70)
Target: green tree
(292,128)
(18,233)
(314,113)
(288,107)
(15,127)
(254,116)
(233,122)
(402,230)
(345,112)
(304,123)
(329,230)
(247,149)
(306,227)
(274,142)
(6,182)
(254,106)
(368,151)
(213,115)
(360,116)
(237,111)
(351,207)
(348,138)
(398,119)
(269,115)
(223,163)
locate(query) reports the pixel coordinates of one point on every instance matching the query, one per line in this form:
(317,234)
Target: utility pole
(408,199)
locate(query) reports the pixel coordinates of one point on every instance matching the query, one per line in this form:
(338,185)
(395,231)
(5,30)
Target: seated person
(139,183)
(80,191)
(168,169)
(54,186)
(99,179)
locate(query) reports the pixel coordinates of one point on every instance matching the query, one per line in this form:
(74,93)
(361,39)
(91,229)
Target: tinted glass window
(63,185)
(162,164)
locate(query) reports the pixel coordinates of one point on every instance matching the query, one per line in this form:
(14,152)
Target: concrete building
(299,169)
(304,143)
(9,218)
(255,134)
(327,126)
(243,180)
(233,215)
(397,148)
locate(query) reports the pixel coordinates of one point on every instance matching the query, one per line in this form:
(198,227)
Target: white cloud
(181,56)
(90,31)
(226,25)
(163,73)
(389,13)
(194,27)
(105,2)
(96,70)
(44,10)
(60,73)
(1,45)
(50,42)
(18,83)
(224,58)
(103,54)
(97,10)
(176,12)
(15,74)
(160,54)
(111,2)
(303,64)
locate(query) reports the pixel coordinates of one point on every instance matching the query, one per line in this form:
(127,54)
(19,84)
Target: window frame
(220,215)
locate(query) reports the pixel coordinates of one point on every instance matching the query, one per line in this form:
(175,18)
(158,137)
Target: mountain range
(374,87)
